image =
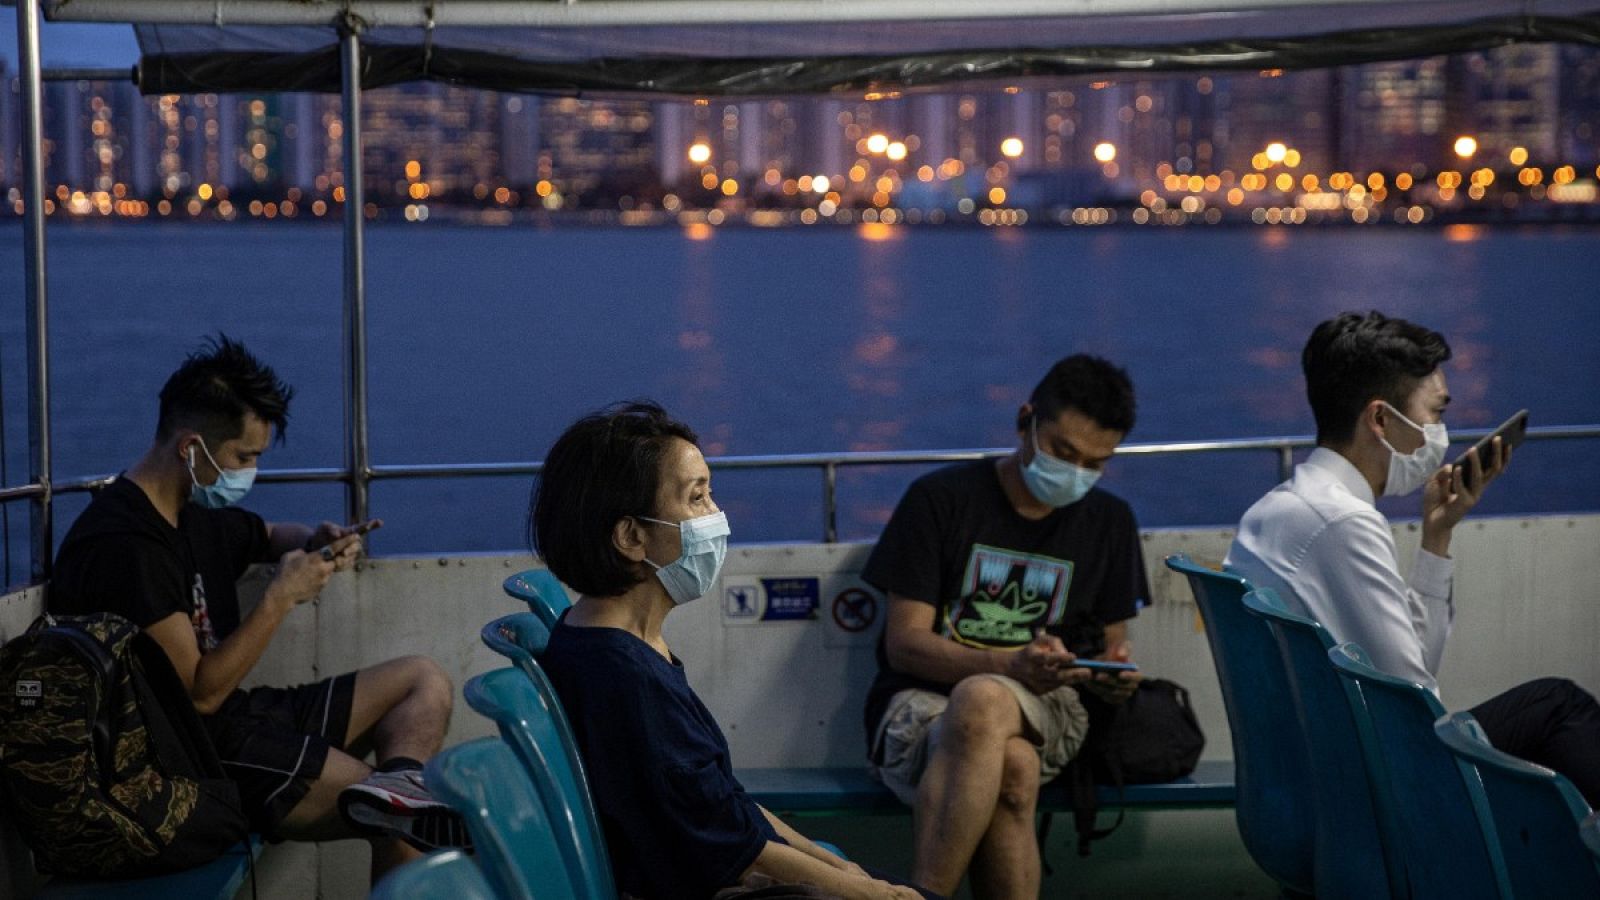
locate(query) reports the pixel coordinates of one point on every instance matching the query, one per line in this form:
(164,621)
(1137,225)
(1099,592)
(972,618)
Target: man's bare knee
(980,711)
(429,680)
(1019,779)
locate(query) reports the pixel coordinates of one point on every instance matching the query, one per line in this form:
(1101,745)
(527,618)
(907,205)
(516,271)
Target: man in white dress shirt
(1379,395)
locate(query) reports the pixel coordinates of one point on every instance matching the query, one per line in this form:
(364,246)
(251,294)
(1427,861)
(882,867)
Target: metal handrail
(1284,446)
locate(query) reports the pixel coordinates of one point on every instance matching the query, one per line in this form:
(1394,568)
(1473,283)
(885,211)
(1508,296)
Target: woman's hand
(874,889)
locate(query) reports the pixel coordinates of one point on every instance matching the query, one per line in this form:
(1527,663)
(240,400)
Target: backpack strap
(1086,804)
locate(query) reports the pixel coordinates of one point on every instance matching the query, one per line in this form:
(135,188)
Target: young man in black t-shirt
(1000,574)
(163,546)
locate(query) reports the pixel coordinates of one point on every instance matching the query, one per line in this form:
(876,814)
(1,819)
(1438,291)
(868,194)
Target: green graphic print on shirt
(1006,596)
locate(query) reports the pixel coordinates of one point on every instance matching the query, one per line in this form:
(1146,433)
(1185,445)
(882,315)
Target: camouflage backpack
(104,764)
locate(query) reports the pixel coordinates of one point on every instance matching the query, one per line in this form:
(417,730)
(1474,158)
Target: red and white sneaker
(398,804)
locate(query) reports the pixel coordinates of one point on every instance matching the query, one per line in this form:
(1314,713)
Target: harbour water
(486,342)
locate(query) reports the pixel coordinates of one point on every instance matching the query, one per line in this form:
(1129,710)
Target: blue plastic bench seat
(221,878)
(851,791)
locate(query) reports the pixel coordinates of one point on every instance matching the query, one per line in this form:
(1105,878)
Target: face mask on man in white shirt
(1409,471)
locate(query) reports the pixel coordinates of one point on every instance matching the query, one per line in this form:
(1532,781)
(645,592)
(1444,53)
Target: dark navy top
(677,823)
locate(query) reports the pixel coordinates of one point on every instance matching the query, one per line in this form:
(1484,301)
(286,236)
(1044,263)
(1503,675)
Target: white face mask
(1056,481)
(1409,471)
(705,546)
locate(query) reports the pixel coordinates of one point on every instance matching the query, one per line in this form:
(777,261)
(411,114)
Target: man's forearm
(285,536)
(220,671)
(932,658)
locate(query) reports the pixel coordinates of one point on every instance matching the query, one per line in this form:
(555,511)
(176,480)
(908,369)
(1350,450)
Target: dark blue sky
(71,44)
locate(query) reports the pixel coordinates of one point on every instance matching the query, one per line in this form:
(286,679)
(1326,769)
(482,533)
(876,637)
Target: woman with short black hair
(623,514)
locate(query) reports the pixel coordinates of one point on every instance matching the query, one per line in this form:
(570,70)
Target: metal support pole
(1285,463)
(33,264)
(359,460)
(830,503)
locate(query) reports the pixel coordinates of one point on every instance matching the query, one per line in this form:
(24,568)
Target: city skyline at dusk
(1505,127)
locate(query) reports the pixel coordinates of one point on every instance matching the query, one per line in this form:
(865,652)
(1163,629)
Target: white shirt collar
(1343,471)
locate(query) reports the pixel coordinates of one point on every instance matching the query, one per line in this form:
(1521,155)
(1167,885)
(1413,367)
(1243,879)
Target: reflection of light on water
(697,231)
(1273,357)
(876,232)
(691,339)
(1463,233)
(876,348)
(1274,238)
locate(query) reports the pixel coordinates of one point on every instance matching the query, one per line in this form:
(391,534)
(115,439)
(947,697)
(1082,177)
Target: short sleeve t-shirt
(994,577)
(121,556)
(678,825)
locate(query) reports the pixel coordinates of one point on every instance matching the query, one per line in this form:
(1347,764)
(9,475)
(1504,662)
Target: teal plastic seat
(545,596)
(1357,848)
(532,724)
(444,873)
(1538,815)
(1274,808)
(519,637)
(1438,803)
(514,839)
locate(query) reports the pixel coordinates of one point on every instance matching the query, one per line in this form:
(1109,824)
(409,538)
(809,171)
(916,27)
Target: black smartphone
(1511,433)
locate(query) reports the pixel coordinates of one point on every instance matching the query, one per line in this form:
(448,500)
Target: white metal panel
(18,610)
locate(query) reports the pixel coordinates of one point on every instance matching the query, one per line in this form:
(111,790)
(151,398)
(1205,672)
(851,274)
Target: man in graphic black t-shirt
(163,547)
(1000,574)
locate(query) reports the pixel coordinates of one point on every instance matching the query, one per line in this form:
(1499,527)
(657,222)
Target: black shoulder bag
(1152,738)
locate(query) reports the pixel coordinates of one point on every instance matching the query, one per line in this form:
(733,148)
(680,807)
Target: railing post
(1285,463)
(33,264)
(358,457)
(830,506)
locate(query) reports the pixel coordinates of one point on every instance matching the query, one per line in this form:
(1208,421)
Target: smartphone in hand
(1511,434)
(1101,665)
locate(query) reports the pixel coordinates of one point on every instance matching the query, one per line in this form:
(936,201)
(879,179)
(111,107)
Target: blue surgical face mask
(230,487)
(705,546)
(1056,481)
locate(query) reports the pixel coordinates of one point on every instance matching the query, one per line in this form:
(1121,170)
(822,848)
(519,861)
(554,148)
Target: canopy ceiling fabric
(759,48)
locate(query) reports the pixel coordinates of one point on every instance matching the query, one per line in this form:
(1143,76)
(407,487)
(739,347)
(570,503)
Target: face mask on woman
(1409,471)
(705,546)
(230,487)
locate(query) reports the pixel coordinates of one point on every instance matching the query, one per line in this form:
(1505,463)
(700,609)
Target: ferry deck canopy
(768,47)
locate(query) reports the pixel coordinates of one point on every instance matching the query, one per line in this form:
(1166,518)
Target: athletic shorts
(274,741)
(1057,719)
